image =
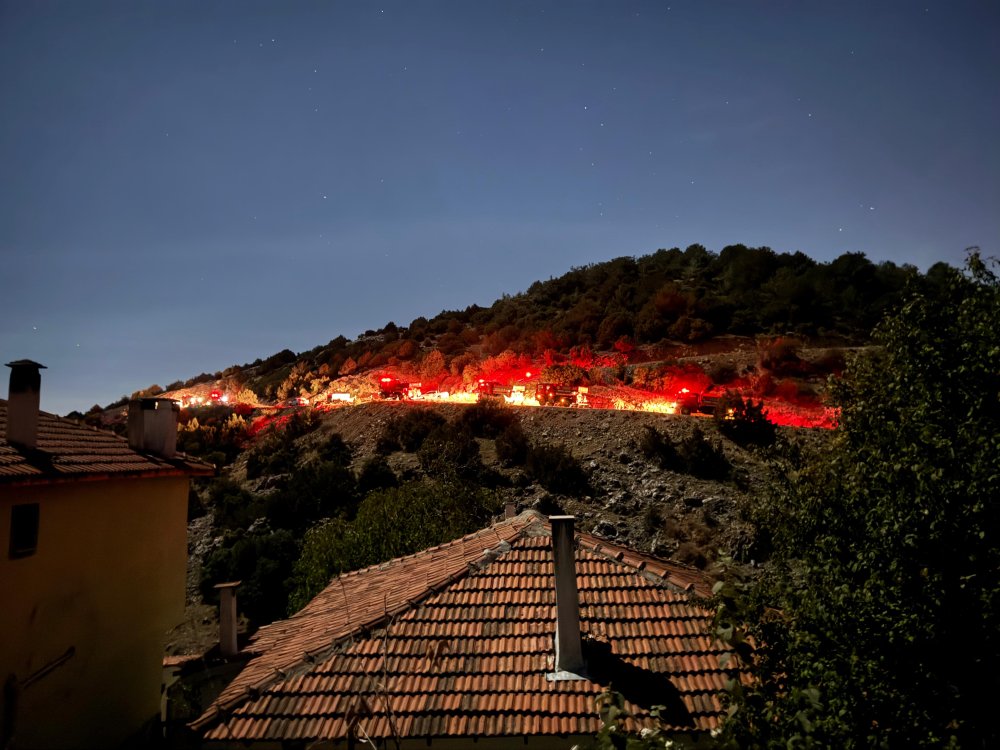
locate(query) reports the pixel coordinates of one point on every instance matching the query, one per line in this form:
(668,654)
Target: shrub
(449,451)
(271,456)
(408,432)
(263,563)
(233,506)
(744,422)
(335,450)
(702,457)
(512,445)
(655,446)
(318,490)
(486,419)
(555,468)
(376,474)
(390,523)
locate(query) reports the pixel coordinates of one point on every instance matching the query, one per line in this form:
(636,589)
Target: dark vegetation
(695,454)
(879,612)
(876,615)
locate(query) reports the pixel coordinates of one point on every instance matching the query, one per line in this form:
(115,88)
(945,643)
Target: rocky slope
(632,499)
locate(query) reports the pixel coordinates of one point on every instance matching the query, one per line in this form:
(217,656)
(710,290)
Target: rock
(606,529)
(693,502)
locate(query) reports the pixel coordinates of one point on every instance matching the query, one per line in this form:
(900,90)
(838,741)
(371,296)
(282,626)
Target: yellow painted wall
(108,580)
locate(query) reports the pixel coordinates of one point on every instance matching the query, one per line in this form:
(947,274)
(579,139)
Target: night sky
(187,186)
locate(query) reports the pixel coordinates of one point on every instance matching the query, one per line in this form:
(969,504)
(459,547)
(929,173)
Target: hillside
(309,490)
(614,316)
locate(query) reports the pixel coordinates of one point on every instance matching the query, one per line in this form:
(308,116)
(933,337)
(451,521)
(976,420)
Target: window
(23,530)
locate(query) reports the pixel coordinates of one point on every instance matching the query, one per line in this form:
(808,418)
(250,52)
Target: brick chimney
(22,402)
(569,652)
(152,426)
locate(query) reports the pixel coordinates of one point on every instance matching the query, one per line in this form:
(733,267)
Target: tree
(879,619)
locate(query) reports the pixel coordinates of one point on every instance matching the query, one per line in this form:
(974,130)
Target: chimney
(152,426)
(22,402)
(227,618)
(509,510)
(569,652)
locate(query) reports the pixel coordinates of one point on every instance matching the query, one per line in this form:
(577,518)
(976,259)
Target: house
(93,556)
(504,638)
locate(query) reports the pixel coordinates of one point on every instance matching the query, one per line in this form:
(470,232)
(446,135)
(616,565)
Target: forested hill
(674,295)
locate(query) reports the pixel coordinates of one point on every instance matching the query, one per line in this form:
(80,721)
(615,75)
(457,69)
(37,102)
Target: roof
(70,451)
(456,641)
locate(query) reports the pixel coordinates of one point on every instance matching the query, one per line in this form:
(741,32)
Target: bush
(555,468)
(702,457)
(315,491)
(655,446)
(233,506)
(263,563)
(486,419)
(390,523)
(271,456)
(335,450)
(408,432)
(512,445)
(375,474)
(449,451)
(744,422)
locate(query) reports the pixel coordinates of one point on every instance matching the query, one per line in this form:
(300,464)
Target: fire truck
(390,389)
(550,394)
(689,402)
(490,390)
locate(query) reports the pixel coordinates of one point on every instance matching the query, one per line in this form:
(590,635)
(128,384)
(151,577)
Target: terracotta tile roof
(456,641)
(68,450)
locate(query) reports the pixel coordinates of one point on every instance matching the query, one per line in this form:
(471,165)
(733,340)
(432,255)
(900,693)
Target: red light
(386,380)
(527,374)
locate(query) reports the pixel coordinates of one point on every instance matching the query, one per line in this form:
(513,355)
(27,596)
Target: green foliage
(615,735)
(263,562)
(316,490)
(233,506)
(449,451)
(878,620)
(390,523)
(274,454)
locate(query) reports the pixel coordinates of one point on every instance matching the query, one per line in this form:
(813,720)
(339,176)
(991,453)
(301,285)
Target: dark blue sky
(187,186)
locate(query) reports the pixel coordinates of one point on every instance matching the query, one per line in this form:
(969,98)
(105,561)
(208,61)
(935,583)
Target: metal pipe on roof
(569,651)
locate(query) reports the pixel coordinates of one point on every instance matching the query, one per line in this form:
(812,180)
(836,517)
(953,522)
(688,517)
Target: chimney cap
(27,363)
(227,585)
